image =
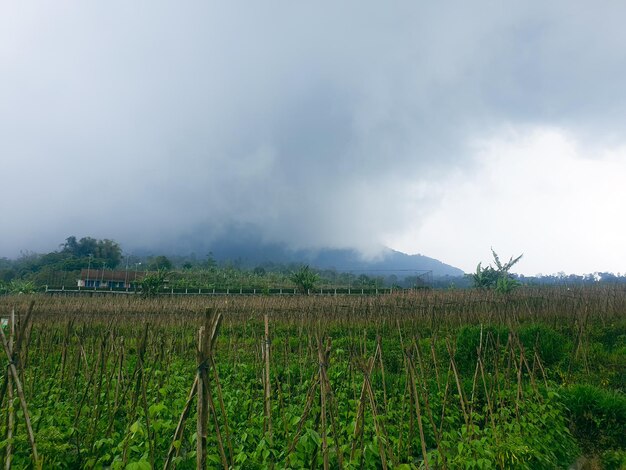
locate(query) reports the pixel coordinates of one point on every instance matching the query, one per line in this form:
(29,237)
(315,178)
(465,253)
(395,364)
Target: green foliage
(597,416)
(304,279)
(498,278)
(506,285)
(18,286)
(153,283)
(106,250)
(83,373)
(485,278)
(470,338)
(74,255)
(538,439)
(613,459)
(551,346)
(160,262)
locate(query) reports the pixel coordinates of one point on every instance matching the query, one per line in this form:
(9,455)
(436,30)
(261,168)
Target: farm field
(535,379)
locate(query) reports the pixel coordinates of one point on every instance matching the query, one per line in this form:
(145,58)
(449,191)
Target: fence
(225,291)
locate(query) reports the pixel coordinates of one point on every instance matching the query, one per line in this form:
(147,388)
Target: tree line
(62,267)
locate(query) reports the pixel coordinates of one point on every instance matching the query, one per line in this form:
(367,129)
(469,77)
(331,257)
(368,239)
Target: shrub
(539,440)
(551,346)
(597,417)
(612,336)
(468,341)
(613,459)
(152,283)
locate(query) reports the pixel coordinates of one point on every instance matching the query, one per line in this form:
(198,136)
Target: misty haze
(440,130)
(312,235)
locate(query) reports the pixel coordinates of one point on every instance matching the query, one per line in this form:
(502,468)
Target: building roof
(111,275)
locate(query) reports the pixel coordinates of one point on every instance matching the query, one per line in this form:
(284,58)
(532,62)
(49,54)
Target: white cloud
(318,124)
(532,190)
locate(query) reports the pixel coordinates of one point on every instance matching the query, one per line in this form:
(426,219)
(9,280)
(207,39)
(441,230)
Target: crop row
(429,379)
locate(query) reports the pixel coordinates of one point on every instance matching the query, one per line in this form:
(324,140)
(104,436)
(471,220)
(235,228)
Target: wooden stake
(178,434)
(268,382)
(11,409)
(203,401)
(20,393)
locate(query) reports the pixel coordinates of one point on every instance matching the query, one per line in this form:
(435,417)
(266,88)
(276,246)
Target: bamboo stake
(378,426)
(146,411)
(267,380)
(333,408)
(207,337)
(322,367)
(20,393)
(66,340)
(418,412)
(203,402)
(434,356)
(222,408)
(118,384)
(358,429)
(281,405)
(421,377)
(489,405)
(543,372)
(10,425)
(305,414)
(11,409)
(218,434)
(180,428)
(382,370)
(458,383)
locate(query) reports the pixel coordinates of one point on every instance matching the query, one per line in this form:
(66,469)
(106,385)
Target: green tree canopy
(159,262)
(107,251)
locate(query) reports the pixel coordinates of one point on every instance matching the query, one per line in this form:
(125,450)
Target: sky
(440,128)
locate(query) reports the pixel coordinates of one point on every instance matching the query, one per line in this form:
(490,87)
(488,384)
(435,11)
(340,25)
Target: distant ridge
(390,262)
(245,250)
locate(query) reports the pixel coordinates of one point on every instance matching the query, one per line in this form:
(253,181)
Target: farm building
(103,278)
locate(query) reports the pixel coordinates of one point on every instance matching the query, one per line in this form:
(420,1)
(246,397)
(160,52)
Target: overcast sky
(441,128)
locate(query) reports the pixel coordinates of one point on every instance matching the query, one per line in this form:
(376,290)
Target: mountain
(388,262)
(245,250)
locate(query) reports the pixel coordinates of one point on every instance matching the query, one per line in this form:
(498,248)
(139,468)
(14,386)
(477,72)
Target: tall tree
(160,262)
(106,251)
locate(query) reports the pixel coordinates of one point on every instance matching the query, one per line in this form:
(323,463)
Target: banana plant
(498,278)
(304,279)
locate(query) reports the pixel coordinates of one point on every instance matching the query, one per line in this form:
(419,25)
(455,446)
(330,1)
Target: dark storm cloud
(147,121)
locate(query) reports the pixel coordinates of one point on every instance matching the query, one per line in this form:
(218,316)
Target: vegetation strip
(431,379)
